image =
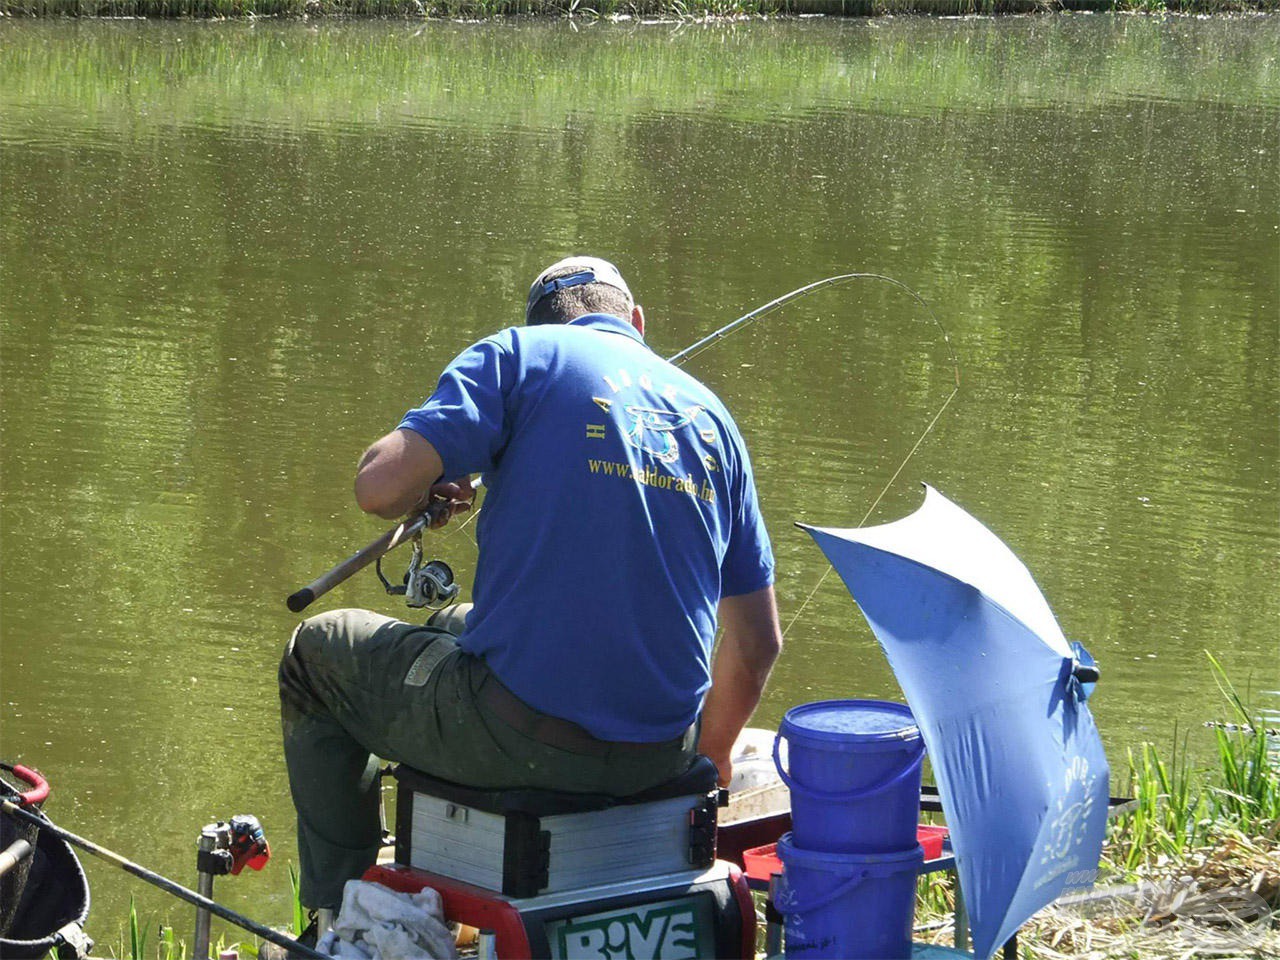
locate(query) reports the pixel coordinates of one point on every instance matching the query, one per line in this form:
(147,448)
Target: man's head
(580,285)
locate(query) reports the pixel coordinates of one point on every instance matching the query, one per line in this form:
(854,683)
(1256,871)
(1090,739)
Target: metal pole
(200,950)
(179,891)
(773,921)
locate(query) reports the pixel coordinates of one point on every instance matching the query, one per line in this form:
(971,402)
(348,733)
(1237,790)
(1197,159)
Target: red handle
(39,785)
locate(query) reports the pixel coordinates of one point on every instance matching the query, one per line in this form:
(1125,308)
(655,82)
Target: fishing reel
(426,584)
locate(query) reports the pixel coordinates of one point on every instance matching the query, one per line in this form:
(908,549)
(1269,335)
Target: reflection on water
(234,254)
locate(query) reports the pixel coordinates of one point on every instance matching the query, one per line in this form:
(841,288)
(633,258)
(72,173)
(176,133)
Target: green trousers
(356,686)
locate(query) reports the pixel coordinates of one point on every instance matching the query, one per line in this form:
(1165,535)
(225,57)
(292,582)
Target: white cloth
(377,923)
(752,759)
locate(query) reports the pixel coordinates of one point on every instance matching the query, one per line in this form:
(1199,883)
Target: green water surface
(232,254)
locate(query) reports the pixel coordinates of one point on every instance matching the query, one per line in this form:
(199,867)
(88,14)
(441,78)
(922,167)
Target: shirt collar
(608,323)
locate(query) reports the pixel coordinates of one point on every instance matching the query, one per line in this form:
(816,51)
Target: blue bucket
(847,906)
(853,768)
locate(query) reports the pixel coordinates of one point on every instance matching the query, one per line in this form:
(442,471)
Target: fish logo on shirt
(652,429)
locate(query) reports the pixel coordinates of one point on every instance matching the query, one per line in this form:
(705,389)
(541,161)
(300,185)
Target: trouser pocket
(426,662)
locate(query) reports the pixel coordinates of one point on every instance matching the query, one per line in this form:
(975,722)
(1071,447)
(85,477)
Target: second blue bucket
(853,768)
(847,906)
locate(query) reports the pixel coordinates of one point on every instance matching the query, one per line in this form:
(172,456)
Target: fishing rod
(164,883)
(408,529)
(411,528)
(759,313)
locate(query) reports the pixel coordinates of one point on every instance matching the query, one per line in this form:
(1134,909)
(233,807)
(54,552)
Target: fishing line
(693,350)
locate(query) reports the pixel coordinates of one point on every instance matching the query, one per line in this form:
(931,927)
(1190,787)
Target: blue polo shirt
(619,508)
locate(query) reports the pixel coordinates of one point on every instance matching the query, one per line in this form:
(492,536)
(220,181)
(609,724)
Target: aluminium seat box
(529,842)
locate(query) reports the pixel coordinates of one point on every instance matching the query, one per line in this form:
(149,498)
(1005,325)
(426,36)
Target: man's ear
(637,319)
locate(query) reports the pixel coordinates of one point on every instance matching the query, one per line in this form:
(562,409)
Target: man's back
(620,508)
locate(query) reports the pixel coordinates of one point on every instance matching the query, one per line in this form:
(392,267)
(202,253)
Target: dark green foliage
(692,9)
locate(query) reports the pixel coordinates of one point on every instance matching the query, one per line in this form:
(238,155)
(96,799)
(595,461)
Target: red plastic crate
(760,863)
(931,838)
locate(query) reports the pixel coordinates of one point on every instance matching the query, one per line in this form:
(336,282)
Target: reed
(137,934)
(1172,813)
(298,922)
(598,9)
(1249,793)
(1179,809)
(134,943)
(171,948)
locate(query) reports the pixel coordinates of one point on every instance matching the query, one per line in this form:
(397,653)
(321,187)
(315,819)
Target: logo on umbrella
(1066,830)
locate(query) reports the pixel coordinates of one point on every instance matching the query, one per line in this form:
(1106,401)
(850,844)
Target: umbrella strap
(845,796)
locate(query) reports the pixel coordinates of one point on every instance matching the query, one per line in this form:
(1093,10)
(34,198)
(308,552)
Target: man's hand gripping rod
(403,532)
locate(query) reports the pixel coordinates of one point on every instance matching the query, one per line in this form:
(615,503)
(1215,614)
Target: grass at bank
(589,9)
(1192,870)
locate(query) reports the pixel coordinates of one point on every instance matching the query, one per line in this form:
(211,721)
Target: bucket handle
(838,797)
(839,890)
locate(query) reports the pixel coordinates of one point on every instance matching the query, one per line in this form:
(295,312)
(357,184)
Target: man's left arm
(751,642)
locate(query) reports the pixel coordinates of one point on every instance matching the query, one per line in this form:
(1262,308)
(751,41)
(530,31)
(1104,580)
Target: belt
(563,734)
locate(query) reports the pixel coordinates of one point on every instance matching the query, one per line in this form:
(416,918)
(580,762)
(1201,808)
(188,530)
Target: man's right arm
(395,474)
(465,419)
(751,642)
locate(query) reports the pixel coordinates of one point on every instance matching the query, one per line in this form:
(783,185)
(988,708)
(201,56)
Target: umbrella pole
(962,919)
(155,879)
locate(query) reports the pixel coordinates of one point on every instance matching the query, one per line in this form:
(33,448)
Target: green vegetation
(299,920)
(592,9)
(1178,811)
(171,948)
(298,80)
(132,943)
(137,934)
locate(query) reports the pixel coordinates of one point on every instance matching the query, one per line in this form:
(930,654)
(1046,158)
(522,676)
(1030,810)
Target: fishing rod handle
(14,854)
(406,530)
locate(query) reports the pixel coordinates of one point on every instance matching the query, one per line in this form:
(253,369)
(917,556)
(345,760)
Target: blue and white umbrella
(999,696)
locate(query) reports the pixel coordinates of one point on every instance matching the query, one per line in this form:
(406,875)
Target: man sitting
(620,524)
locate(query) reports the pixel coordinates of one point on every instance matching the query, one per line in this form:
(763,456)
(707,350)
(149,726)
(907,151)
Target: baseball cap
(575,271)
